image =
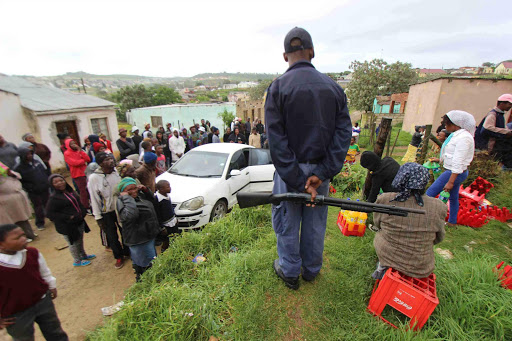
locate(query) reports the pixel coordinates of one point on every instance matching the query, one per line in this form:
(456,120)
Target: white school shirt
(18,259)
(459,152)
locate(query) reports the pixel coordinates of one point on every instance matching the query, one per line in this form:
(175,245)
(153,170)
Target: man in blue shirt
(309,130)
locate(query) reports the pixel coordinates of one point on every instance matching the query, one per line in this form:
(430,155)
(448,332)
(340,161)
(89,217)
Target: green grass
(236,296)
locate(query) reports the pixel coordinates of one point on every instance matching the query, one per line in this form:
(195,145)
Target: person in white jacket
(176,146)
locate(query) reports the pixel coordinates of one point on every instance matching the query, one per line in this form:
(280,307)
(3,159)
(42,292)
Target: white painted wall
(12,122)
(48,130)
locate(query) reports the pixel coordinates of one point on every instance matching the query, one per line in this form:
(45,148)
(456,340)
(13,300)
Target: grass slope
(236,295)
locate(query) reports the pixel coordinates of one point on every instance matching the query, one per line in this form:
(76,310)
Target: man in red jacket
(77,161)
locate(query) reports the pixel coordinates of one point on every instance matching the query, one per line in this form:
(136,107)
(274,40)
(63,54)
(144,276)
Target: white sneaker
(29,240)
(42,228)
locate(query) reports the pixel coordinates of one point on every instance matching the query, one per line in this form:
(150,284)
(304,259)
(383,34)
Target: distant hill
(236,77)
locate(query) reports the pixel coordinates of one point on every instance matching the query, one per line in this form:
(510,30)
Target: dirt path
(82,292)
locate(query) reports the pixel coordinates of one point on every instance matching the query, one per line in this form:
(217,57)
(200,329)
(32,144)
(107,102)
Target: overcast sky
(187,37)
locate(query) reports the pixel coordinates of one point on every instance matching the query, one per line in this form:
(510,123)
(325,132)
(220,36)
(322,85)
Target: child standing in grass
(353,151)
(165,212)
(27,289)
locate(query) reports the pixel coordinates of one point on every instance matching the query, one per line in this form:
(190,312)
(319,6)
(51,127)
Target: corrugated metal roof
(44,98)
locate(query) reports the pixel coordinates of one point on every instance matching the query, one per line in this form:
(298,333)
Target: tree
(488,64)
(376,77)
(162,95)
(367,78)
(258,91)
(138,96)
(227,117)
(400,77)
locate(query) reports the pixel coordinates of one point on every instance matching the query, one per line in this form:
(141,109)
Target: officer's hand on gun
(312,184)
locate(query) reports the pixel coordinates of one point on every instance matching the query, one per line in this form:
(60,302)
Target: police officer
(309,131)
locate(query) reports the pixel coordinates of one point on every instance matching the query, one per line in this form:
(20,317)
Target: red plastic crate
(505,275)
(413,297)
(344,229)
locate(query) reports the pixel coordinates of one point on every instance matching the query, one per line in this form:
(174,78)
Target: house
(246,85)
(427,72)
(229,86)
(45,111)
(235,96)
(504,68)
(394,104)
(428,101)
(179,115)
(250,109)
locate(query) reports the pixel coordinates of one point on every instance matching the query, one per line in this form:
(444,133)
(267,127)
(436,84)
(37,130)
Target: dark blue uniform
(309,131)
(307,121)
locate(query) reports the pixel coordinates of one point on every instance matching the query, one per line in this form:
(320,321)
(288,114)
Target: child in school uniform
(27,289)
(165,212)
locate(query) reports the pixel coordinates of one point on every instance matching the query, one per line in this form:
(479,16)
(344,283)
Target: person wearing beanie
(147,172)
(67,213)
(140,223)
(77,161)
(382,172)
(493,135)
(101,186)
(27,289)
(136,138)
(40,149)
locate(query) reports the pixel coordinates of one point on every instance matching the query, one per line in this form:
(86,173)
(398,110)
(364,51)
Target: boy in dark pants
(165,213)
(27,289)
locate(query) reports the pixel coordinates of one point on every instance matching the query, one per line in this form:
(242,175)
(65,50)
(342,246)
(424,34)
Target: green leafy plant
(350,179)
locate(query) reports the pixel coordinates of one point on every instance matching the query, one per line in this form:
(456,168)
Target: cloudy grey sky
(183,38)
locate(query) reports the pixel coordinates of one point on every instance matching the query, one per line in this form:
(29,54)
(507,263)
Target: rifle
(247,199)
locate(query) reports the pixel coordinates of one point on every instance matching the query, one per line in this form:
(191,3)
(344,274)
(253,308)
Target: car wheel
(219,210)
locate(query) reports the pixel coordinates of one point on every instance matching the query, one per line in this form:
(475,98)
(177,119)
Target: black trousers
(503,151)
(44,314)
(110,228)
(39,202)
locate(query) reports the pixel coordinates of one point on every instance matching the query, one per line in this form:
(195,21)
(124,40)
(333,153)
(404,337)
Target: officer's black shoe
(290,282)
(308,277)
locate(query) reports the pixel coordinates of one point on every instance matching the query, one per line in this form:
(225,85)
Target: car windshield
(200,164)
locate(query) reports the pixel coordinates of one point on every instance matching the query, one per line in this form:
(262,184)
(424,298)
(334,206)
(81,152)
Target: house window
(156,121)
(99,125)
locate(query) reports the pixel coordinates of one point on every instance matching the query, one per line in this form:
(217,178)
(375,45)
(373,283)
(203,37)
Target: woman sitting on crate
(456,154)
(406,243)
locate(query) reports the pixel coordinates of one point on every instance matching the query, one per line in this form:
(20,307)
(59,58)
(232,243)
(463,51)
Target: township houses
(504,68)
(428,101)
(45,111)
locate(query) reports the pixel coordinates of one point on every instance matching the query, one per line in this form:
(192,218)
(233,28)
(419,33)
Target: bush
(484,166)
(350,179)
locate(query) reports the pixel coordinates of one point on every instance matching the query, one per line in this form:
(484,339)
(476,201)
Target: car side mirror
(235,172)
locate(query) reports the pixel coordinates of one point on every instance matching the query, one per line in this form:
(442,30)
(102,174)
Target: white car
(205,181)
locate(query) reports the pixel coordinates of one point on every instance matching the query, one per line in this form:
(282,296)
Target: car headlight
(192,204)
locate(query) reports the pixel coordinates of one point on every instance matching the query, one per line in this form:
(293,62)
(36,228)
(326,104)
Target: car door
(261,170)
(238,182)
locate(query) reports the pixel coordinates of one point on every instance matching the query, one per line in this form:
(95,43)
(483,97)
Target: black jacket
(126,148)
(237,138)
(307,120)
(139,219)
(60,209)
(34,175)
(383,177)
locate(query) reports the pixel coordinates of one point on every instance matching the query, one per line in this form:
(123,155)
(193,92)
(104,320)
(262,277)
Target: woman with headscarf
(406,243)
(410,155)
(67,212)
(456,154)
(140,223)
(382,172)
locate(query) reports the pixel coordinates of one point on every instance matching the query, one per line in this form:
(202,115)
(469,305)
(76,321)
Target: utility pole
(83,85)
(384,131)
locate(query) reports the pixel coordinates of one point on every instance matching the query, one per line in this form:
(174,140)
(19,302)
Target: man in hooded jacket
(77,161)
